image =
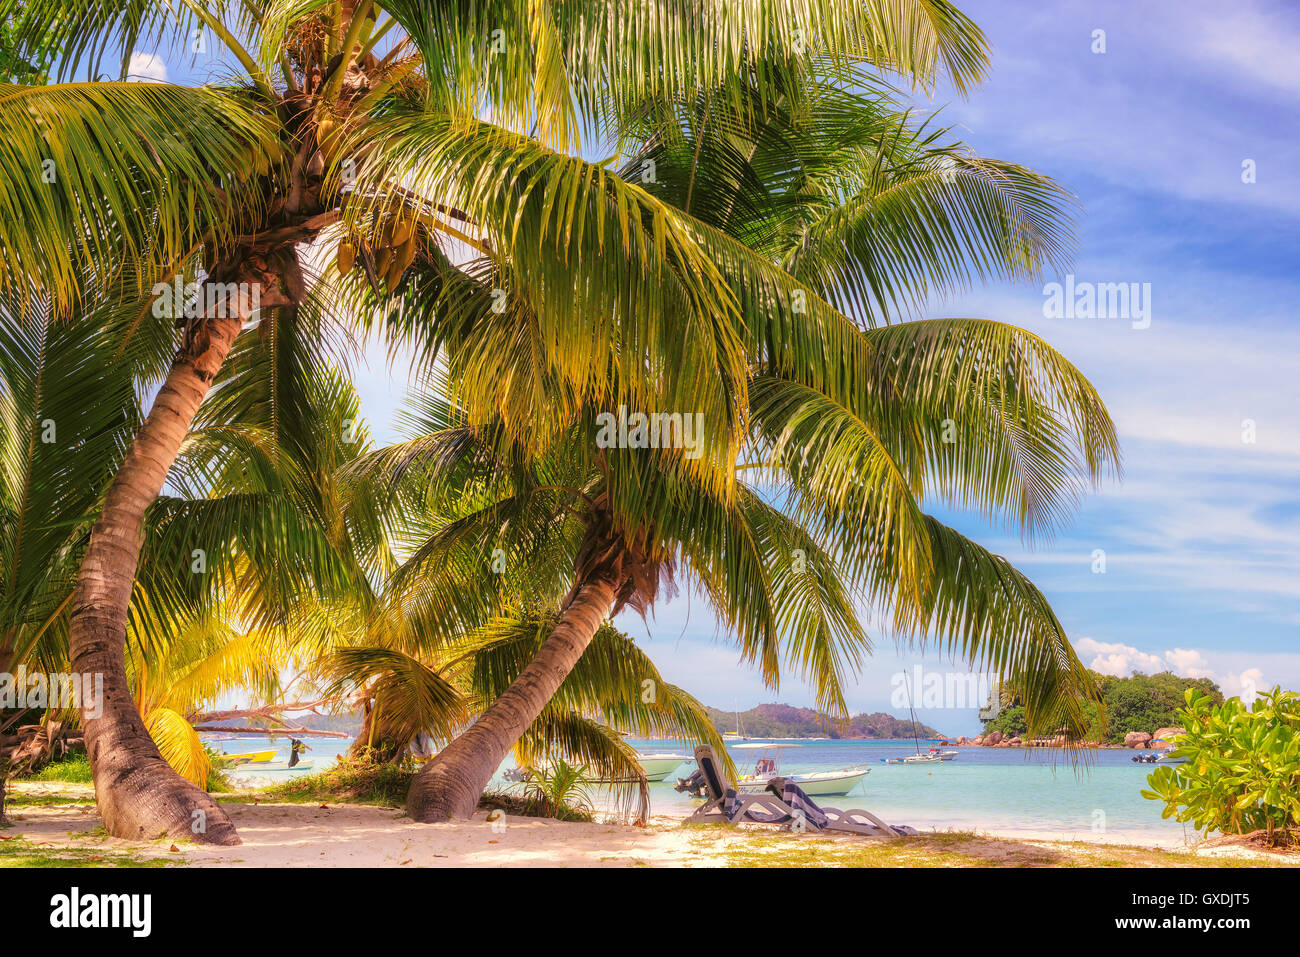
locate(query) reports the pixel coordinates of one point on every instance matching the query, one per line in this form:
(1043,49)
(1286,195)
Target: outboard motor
(693,785)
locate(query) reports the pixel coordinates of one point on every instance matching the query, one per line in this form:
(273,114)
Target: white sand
(343,835)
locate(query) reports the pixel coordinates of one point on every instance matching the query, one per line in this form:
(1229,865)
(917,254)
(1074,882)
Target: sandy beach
(351,835)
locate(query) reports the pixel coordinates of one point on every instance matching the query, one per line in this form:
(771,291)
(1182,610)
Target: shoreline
(56,824)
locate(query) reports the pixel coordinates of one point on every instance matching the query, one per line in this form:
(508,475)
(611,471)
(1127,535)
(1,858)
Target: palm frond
(98,175)
(180,745)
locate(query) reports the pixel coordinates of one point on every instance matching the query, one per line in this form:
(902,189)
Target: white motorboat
(944,755)
(830,782)
(839,781)
(657,767)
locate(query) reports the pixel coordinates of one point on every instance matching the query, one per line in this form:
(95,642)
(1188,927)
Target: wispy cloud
(147,67)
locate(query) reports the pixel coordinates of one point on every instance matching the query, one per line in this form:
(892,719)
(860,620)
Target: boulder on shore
(979,739)
(1137,739)
(992,738)
(1166,734)
(1015,742)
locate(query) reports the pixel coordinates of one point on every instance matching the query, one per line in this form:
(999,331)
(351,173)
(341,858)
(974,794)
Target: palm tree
(68,409)
(428,697)
(316,133)
(807,197)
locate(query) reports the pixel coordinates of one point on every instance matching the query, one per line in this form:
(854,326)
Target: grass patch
(357,781)
(350,781)
(22,799)
(75,768)
(952,849)
(20,852)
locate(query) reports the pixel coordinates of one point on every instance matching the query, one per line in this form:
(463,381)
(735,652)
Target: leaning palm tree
(596,528)
(68,409)
(427,696)
(808,198)
(332,101)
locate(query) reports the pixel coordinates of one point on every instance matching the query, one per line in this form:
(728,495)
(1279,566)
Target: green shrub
(355,780)
(1011,722)
(560,790)
(217,782)
(1242,770)
(74,768)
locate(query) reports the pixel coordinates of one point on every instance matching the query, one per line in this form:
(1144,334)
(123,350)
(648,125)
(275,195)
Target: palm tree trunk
(4,784)
(139,794)
(450,785)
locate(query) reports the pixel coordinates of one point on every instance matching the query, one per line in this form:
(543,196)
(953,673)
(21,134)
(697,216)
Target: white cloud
(1187,663)
(1238,674)
(147,66)
(1256,46)
(1112,658)
(1243,685)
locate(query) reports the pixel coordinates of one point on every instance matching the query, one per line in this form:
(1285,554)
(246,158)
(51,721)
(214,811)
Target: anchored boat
(657,767)
(247,757)
(839,781)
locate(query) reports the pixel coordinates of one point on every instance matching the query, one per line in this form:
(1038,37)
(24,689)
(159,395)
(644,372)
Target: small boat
(933,756)
(840,781)
(657,767)
(302,765)
(944,755)
(1146,758)
(248,757)
(891,760)
(830,782)
(739,733)
(765,768)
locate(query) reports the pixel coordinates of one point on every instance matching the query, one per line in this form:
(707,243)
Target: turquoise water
(999,790)
(1003,790)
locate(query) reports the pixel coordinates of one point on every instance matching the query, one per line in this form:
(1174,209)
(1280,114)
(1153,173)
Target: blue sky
(1202,537)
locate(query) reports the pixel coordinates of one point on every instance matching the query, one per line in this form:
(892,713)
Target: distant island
(764,721)
(787,721)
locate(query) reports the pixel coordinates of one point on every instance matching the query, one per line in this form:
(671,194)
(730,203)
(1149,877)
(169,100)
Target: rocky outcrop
(1165,735)
(1137,739)
(992,739)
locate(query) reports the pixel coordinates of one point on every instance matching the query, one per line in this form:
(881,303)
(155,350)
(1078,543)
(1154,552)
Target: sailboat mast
(915,737)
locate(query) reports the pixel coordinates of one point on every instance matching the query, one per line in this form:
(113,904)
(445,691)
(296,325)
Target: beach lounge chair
(854,820)
(722,801)
(783,803)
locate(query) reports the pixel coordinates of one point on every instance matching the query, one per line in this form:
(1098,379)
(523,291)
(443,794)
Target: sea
(1017,792)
